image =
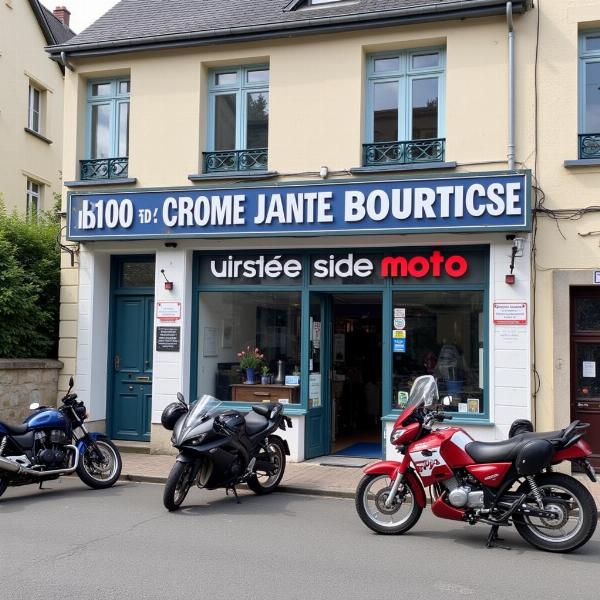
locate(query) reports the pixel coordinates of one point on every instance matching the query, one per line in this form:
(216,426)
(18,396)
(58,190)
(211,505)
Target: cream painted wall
(316,118)
(22,155)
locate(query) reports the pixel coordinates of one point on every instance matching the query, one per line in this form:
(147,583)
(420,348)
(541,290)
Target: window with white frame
(405,95)
(238,108)
(33,198)
(589,94)
(108,118)
(34,112)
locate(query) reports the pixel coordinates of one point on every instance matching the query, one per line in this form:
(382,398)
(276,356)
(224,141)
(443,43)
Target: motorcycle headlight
(199,439)
(396,435)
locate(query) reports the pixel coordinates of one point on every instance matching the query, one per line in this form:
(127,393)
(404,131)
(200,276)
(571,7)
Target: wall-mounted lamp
(323,172)
(168,284)
(518,244)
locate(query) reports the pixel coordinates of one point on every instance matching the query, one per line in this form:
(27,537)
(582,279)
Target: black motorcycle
(223,448)
(54,441)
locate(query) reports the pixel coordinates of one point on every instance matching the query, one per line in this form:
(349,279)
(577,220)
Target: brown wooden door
(585,363)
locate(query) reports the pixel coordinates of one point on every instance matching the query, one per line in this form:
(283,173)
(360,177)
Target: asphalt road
(70,542)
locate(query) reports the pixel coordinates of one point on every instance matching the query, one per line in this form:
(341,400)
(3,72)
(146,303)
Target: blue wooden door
(132,367)
(318,418)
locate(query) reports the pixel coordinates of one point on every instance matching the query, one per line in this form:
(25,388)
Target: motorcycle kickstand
(493,537)
(232,488)
(41,484)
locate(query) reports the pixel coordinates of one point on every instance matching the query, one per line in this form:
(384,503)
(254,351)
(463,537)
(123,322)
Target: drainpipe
(511,86)
(65,62)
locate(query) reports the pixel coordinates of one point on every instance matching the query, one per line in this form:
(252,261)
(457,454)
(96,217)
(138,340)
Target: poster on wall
(314,390)
(168,311)
(510,313)
(339,346)
(168,339)
(210,341)
(399,341)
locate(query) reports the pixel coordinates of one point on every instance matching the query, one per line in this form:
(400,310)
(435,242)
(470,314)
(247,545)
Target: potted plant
(265,376)
(250,360)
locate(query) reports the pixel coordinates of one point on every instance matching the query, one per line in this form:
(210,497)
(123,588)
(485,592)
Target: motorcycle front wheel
(574,505)
(264,483)
(100,465)
(371,495)
(178,485)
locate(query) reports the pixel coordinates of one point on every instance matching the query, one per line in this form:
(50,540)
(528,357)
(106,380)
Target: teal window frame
(115,99)
(405,75)
(585,57)
(240,88)
(386,288)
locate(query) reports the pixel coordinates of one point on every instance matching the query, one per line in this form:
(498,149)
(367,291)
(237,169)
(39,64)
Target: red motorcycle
(504,483)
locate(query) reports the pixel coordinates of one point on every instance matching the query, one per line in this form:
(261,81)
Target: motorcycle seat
(506,450)
(264,409)
(15,429)
(255,423)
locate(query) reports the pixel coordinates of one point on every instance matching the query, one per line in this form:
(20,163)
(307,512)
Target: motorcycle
(510,482)
(53,442)
(221,449)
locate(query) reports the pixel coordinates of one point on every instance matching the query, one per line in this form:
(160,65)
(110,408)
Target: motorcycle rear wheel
(576,506)
(371,494)
(178,485)
(262,484)
(100,465)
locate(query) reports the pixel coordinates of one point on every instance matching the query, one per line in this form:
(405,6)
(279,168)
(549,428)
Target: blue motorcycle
(53,442)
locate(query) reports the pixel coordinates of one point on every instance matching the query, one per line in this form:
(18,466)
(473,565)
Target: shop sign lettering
(435,265)
(494,202)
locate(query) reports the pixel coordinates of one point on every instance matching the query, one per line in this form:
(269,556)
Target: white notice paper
(589,368)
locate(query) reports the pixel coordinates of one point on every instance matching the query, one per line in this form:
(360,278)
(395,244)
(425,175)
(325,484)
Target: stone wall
(23,381)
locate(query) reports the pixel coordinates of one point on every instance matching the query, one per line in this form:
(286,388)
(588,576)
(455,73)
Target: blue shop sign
(491,202)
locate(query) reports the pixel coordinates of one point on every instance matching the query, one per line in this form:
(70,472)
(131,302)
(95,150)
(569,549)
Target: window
(589,95)
(405,93)
(230,322)
(34,113)
(33,198)
(108,119)
(443,337)
(238,118)
(405,96)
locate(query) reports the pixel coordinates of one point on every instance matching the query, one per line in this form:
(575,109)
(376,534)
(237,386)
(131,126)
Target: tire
(582,503)
(262,485)
(178,485)
(3,485)
(100,472)
(370,499)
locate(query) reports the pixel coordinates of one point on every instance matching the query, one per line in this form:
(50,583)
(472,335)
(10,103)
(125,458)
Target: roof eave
(447,12)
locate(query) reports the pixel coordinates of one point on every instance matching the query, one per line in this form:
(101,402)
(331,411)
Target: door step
(132,447)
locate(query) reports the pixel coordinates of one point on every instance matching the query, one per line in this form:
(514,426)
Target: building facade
(335,184)
(31,105)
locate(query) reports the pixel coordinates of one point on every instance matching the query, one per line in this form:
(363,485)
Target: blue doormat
(362,450)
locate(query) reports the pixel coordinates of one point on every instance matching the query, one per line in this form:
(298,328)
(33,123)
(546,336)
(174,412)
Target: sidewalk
(299,478)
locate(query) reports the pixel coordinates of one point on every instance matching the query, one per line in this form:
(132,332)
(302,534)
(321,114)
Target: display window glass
(235,324)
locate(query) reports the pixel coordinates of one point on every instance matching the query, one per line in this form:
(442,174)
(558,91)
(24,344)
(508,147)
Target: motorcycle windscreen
(200,412)
(424,391)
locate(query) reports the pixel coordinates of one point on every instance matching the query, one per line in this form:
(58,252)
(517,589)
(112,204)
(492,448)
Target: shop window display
(232,322)
(441,334)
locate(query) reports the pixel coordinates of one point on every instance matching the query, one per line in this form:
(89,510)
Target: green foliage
(29,285)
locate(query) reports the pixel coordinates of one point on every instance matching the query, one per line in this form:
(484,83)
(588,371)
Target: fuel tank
(46,419)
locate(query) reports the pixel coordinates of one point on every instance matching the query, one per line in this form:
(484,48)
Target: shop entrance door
(130,382)
(356,374)
(585,363)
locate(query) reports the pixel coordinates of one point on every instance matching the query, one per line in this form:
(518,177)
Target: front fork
(395,486)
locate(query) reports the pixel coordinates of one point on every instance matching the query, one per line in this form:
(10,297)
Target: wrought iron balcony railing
(104,168)
(589,145)
(403,153)
(235,160)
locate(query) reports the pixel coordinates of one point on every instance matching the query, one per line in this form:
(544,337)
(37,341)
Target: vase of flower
(265,377)
(250,360)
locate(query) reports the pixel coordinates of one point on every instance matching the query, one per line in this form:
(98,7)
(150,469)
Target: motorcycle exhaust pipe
(12,467)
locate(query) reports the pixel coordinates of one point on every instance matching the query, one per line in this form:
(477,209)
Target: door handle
(142,378)
(117,363)
(130,388)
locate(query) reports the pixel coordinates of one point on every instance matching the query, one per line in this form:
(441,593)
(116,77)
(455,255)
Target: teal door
(130,380)
(318,418)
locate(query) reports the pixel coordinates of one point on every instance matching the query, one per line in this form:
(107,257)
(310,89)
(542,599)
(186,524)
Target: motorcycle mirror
(71,382)
(180,397)
(34,406)
(447,400)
